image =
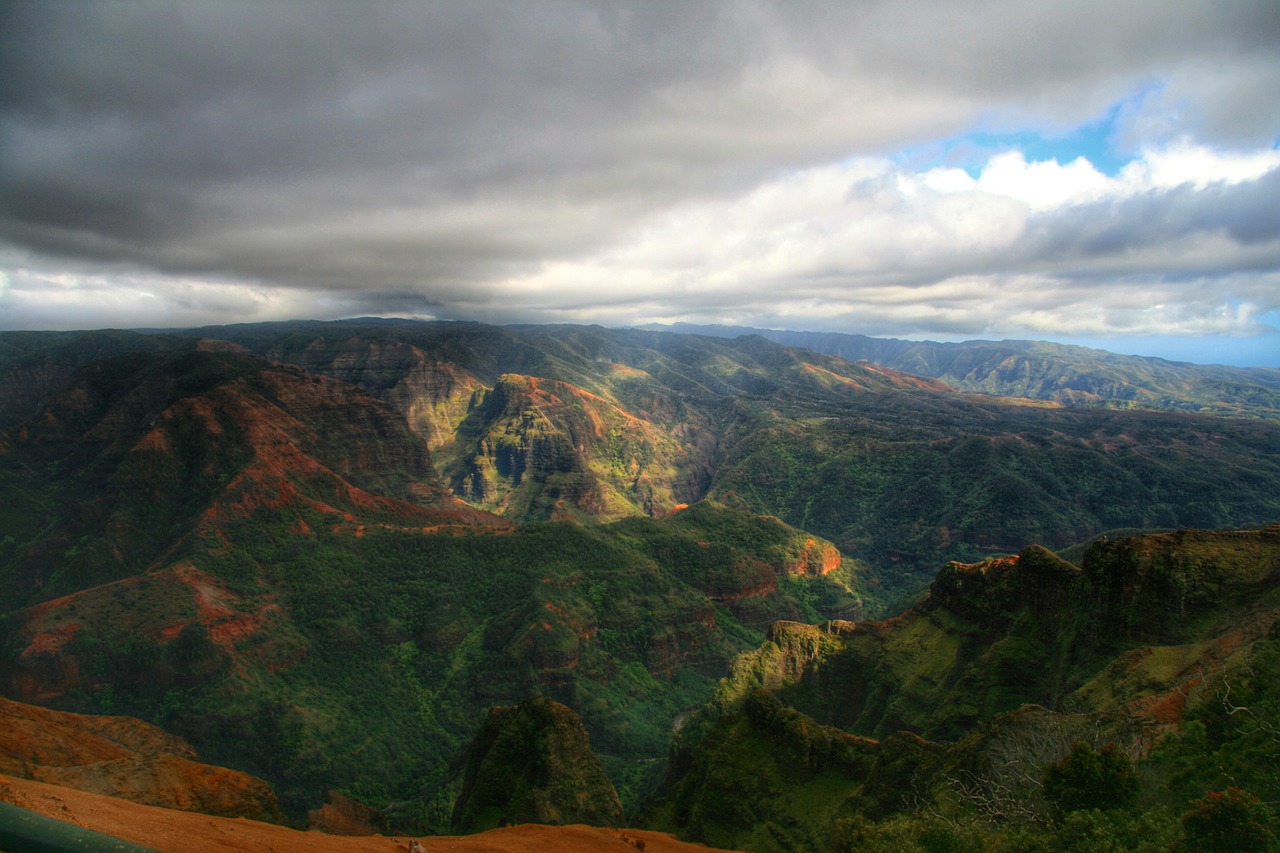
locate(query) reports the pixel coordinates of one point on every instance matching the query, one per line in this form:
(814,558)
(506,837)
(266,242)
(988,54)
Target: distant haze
(1103,173)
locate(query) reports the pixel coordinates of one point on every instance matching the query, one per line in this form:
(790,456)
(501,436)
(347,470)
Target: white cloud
(1185,162)
(1043,185)
(58,297)
(902,252)
(622,161)
(947,180)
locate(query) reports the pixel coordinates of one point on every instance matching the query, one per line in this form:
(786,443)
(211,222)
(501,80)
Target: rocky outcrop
(992,589)
(539,448)
(532,763)
(817,558)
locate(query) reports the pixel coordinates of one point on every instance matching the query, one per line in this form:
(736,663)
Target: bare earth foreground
(189,832)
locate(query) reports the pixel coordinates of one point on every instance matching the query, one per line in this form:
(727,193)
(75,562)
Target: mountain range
(321,552)
(1061,373)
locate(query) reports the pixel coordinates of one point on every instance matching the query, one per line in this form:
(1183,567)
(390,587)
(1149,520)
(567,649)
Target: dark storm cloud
(452,157)
(269,140)
(1244,216)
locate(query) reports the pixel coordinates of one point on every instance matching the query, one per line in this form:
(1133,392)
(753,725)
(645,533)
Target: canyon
(249,536)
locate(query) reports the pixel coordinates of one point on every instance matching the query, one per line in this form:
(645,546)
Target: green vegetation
(1087,778)
(1148,731)
(1230,820)
(396,637)
(254,543)
(532,763)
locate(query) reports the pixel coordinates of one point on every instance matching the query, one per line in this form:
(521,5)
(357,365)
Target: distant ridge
(1039,370)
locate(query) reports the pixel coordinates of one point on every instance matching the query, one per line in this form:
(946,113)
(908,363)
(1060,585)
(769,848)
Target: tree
(1231,821)
(1086,778)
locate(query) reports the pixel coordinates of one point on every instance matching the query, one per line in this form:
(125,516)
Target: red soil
(188,832)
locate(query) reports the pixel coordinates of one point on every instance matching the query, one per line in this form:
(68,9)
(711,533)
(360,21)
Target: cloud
(1038,247)
(168,162)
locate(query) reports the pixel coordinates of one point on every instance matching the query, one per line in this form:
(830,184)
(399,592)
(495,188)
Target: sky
(1105,173)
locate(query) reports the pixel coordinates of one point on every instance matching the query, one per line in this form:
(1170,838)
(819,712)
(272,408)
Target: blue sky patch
(1097,141)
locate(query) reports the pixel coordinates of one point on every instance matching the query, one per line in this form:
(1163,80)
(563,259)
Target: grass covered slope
(1163,645)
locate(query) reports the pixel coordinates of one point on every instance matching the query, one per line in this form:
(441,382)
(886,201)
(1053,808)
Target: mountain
(898,471)
(254,536)
(254,555)
(139,451)
(1060,373)
(1163,645)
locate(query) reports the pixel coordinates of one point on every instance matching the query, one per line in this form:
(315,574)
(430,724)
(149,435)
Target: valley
(322,552)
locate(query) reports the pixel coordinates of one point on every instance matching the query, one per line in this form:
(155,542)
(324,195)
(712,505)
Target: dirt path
(188,832)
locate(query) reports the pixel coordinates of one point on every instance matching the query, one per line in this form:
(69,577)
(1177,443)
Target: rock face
(524,446)
(535,448)
(532,763)
(126,758)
